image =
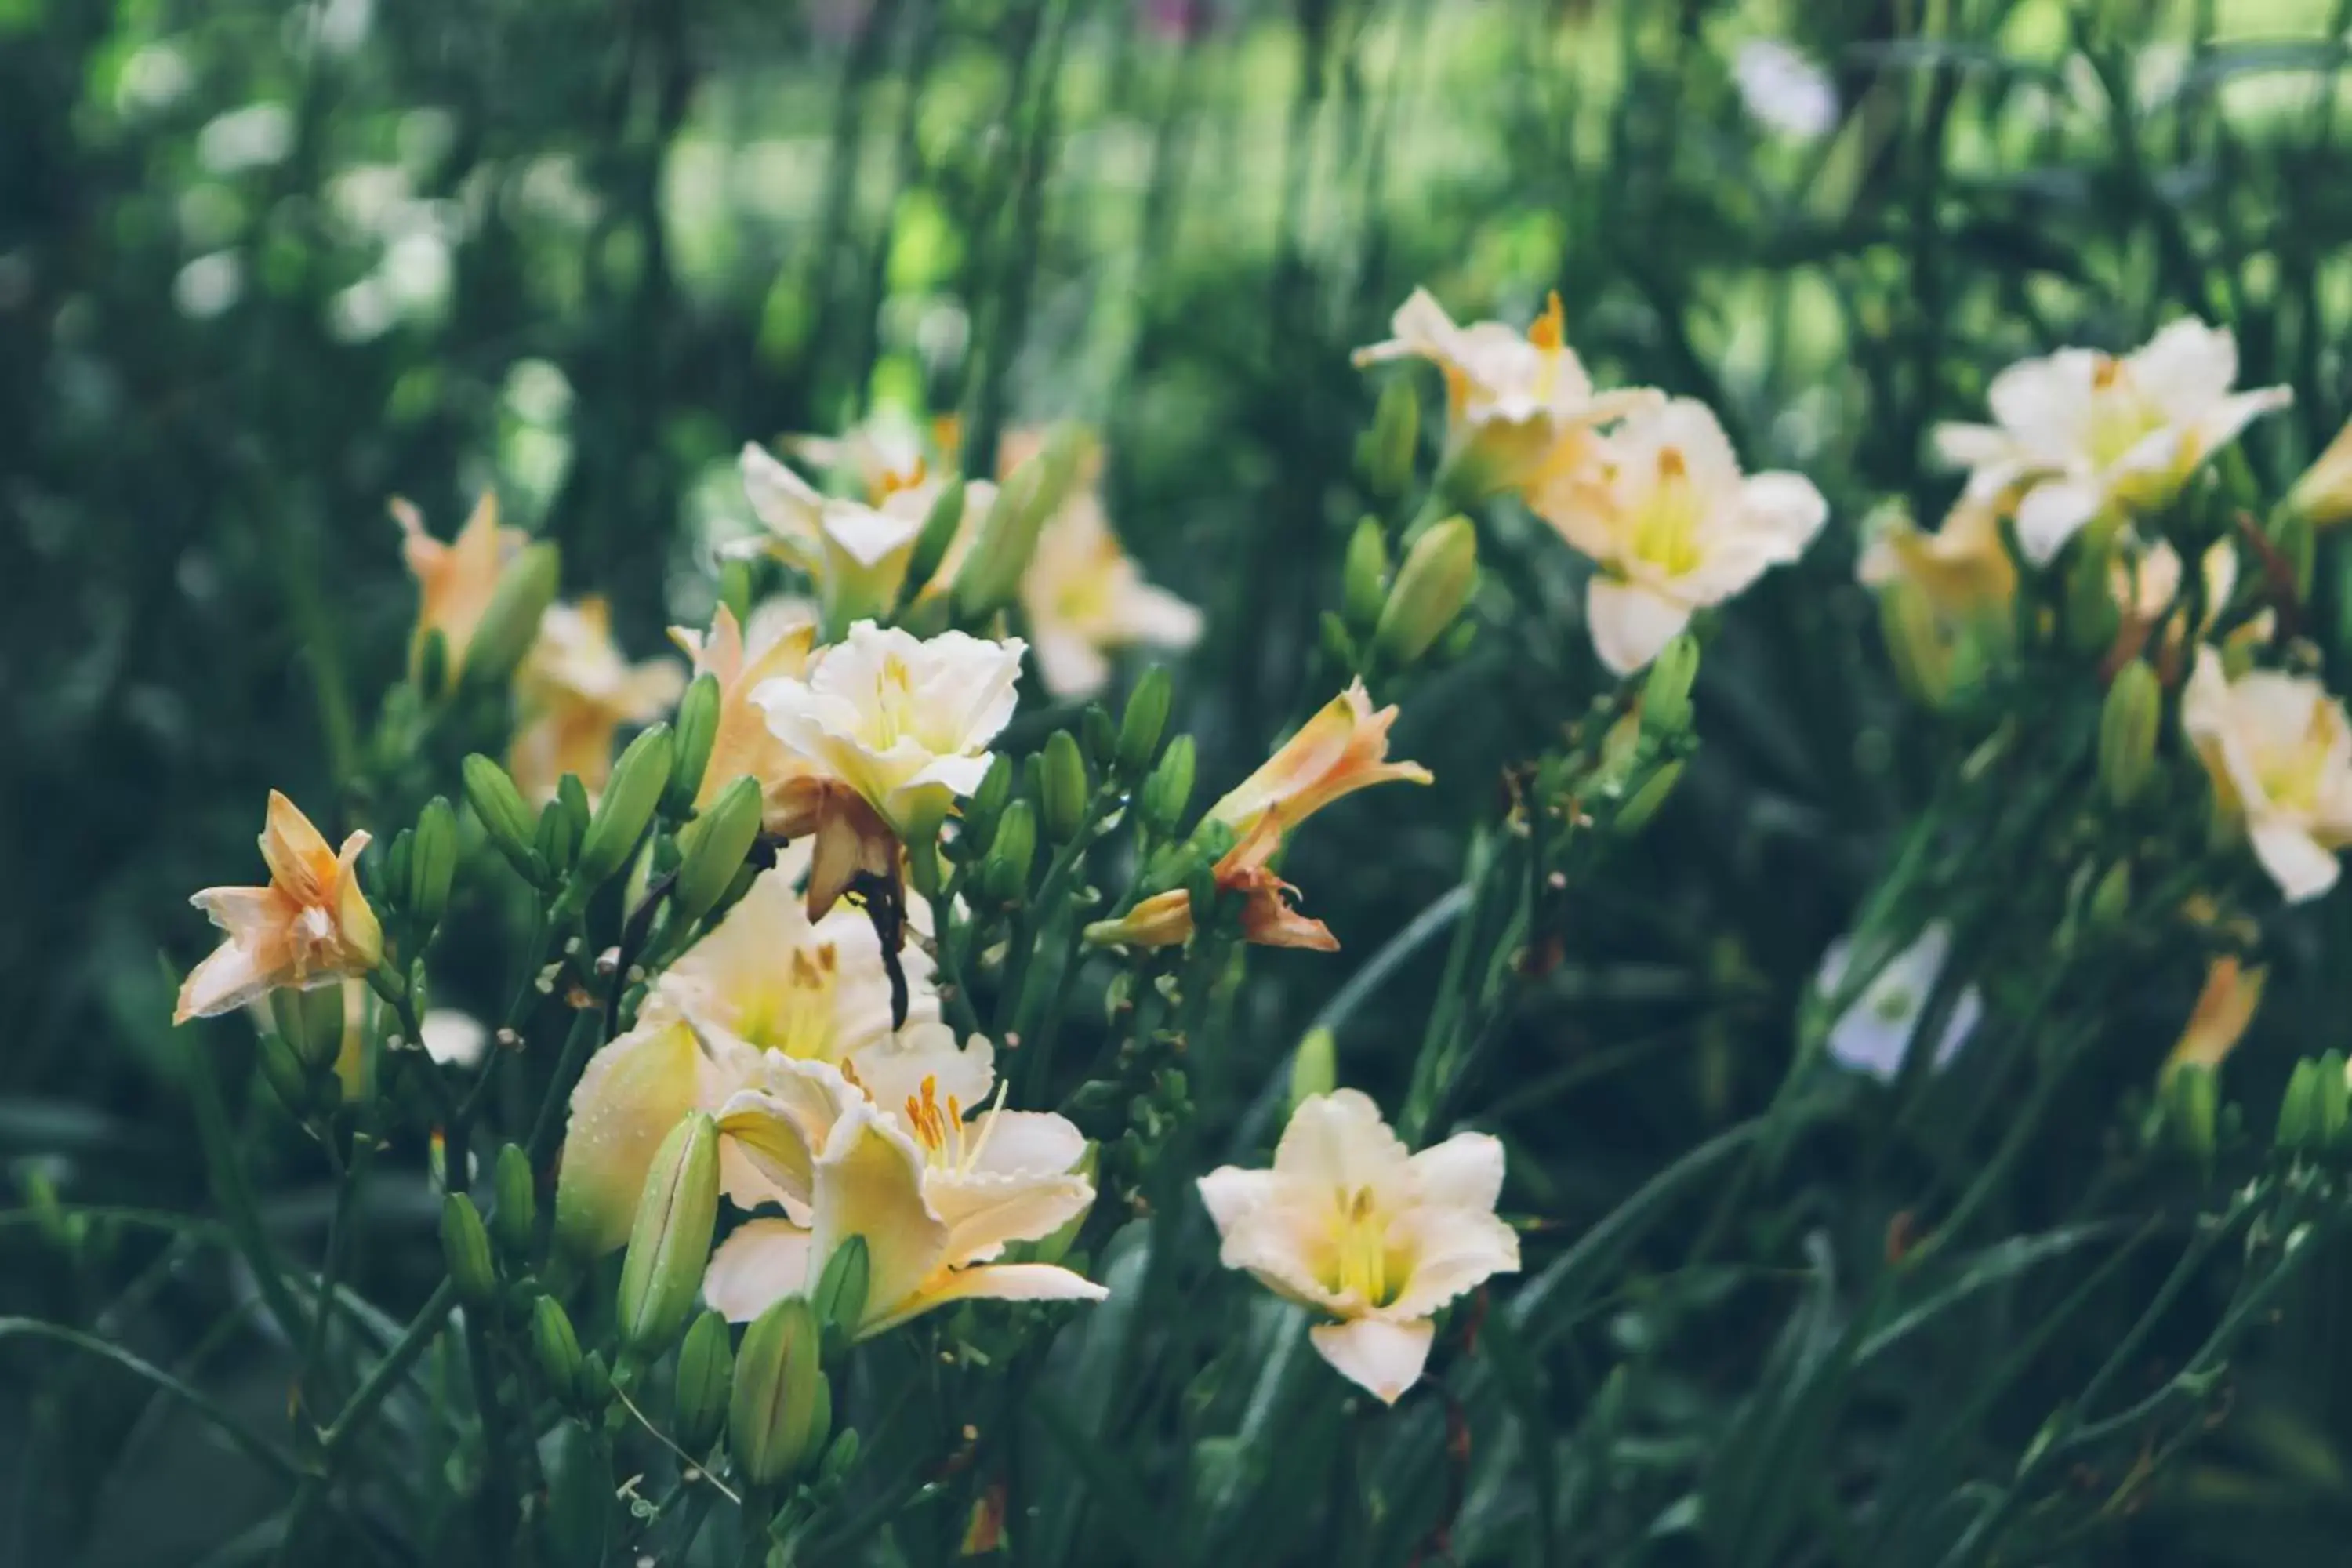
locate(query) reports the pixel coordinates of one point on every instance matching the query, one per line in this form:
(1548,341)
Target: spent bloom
(1876,1035)
(2079,433)
(455,580)
(1662,507)
(575,690)
(1352,1225)
(2279,750)
(312,926)
(1083,595)
(776,643)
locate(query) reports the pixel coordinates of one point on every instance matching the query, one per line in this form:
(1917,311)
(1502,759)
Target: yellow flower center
(1666,530)
(947,1144)
(1548,333)
(794,1014)
(2120,417)
(2291,775)
(1363,1264)
(894,710)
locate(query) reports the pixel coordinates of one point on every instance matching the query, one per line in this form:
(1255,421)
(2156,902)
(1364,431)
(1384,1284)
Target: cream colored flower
(574,690)
(454,580)
(1352,1225)
(1083,596)
(310,926)
(2080,433)
(2279,750)
(1664,511)
(777,642)
(855,551)
(903,721)
(453,1039)
(1963,567)
(886,453)
(2225,1007)
(1515,404)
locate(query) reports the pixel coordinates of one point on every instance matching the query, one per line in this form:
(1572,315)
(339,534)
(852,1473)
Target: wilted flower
(2279,750)
(1352,1225)
(574,691)
(776,644)
(310,926)
(1875,1036)
(1784,91)
(2079,432)
(1662,507)
(1083,595)
(2225,1007)
(454,580)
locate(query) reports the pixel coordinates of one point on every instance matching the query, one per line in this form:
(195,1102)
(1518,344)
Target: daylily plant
(310,926)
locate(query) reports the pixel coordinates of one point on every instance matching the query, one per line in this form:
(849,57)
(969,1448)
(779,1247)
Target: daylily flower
(937,1198)
(575,691)
(1344,748)
(312,926)
(2225,1007)
(1351,1224)
(1876,1035)
(2146,589)
(776,644)
(1516,405)
(454,580)
(1963,567)
(1664,511)
(2084,433)
(2279,750)
(855,551)
(1083,595)
(886,453)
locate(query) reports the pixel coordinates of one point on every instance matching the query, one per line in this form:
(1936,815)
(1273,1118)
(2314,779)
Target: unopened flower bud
(554,841)
(1146,719)
(1063,796)
(466,1250)
(735,589)
(1005,873)
(2299,1117)
(311,1041)
(781,1408)
(1168,790)
(1906,620)
(1315,1068)
(1364,579)
(1643,804)
(627,807)
(697,728)
(433,662)
(991,575)
(516,1220)
(433,862)
(504,817)
(2331,1101)
(556,1348)
(2127,731)
(390,877)
(940,528)
(977,826)
(1338,644)
(1384,453)
(2193,1102)
(1099,734)
(2111,897)
(712,847)
(706,1378)
(1439,574)
(840,1459)
(670,1242)
(511,622)
(2322,497)
(839,1300)
(1666,690)
(287,1075)
(2092,615)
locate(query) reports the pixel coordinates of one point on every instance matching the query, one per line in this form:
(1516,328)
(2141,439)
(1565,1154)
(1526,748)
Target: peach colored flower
(778,643)
(310,926)
(454,580)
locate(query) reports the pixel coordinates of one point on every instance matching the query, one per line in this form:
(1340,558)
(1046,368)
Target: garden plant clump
(1593,821)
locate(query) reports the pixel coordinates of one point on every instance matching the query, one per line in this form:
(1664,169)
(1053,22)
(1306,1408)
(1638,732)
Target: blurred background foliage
(264,266)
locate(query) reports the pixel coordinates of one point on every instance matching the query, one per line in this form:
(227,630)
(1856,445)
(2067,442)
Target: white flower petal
(1382,1358)
(1629,623)
(763,1262)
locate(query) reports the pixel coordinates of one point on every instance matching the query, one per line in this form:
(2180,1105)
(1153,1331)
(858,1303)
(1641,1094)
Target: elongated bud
(985,809)
(1100,736)
(1141,727)
(433,862)
(1364,579)
(941,526)
(2127,731)
(1635,814)
(2299,1117)
(1393,440)
(466,1249)
(781,1408)
(1168,790)
(735,589)
(2192,1103)
(706,1377)
(839,1298)
(306,1044)
(840,1459)
(712,848)
(1666,690)
(991,575)
(697,728)
(2092,615)
(620,819)
(2331,1101)
(2295,539)
(670,1242)
(1315,1069)
(432,663)
(1005,873)
(2322,497)
(556,1348)
(517,1219)
(555,841)
(288,1076)
(1439,574)
(2111,899)
(1065,788)
(1923,665)
(391,879)
(504,817)
(511,622)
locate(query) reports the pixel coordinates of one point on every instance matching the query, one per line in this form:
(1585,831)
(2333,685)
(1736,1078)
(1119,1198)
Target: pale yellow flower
(310,926)
(454,580)
(2279,750)
(2079,433)
(574,690)
(1662,509)
(856,553)
(778,643)
(1963,567)
(1083,596)
(2225,1007)
(1352,1225)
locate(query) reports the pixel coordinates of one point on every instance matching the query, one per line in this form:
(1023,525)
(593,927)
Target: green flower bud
(433,862)
(991,575)
(781,1408)
(595,1382)
(982,812)
(580,1514)
(1065,788)
(2111,899)
(288,1076)
(2127,731)
(1146,719)
(556,1348)
(516,1219)
(2293,537)
(1338,646)
(2192,1106)
(572,797)
(511,622)
(554,842)
(1643,804)
(1384,454)
(2092,617)
(712,848)
(670,1242)
(1439,574)
(1923,665)
(840,1459)
(1666,690)
(839,1298)
(706,1376)
(310,1045)
(1005,873)
(941,526)
(1315,1068)
(735,589)
(392,881)
(697,727)
(1168,790)
(504,817)
(1364,578)
(2299,1117)
(2331,1101)
(621,818)
(432,663)
(466,1249)
(1101,737)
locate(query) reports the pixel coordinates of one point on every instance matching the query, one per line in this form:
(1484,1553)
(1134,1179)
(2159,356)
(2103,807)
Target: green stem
(236,1198)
